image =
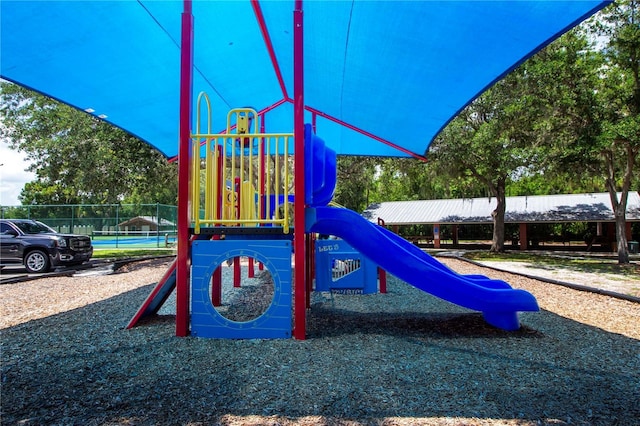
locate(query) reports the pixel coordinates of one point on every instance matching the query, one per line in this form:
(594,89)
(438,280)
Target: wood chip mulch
(402,358)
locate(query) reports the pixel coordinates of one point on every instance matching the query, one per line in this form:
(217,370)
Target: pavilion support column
(523,236)
(627,229)
(611,236)
(454,234)
(436,235)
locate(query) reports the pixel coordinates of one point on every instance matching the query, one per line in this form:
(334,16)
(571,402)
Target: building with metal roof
(522,210)
(145,223)
(528,208)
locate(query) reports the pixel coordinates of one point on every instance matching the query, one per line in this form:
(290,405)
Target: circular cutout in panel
(241,298)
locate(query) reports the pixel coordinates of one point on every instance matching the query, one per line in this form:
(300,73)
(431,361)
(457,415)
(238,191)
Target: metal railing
(246,173)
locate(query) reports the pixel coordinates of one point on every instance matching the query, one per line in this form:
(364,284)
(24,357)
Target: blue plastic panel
(339,267)
(274,323)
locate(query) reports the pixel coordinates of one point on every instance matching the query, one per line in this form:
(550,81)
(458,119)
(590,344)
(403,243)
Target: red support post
(309,269)
(216,287)
(236,272)
(184,152)
(300,308)
(257,10)
(382,274)
(251,273)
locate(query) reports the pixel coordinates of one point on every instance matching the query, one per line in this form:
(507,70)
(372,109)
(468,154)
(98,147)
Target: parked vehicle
(39,247)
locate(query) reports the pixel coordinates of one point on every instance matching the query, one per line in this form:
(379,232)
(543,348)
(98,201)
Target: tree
(608,146)
(355,180)
(619,141)
(491,141)
(399,179)
(80,159)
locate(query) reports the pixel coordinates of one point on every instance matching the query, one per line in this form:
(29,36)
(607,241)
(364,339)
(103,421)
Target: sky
(12,174)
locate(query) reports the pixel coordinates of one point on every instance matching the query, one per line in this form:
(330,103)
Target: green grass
(578,263)
(122,253)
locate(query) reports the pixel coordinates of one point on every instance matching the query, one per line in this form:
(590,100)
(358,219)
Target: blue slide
(497,300)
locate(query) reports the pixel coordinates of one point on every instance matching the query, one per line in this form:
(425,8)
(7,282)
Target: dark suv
(39,247)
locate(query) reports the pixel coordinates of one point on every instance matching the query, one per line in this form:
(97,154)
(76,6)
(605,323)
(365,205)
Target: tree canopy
(78,158)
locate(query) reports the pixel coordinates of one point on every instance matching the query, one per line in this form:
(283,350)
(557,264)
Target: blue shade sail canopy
(381,77)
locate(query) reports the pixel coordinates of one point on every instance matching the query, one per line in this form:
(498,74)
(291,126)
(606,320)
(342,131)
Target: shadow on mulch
(331,323)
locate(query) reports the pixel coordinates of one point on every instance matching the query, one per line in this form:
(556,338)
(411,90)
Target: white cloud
(12,174)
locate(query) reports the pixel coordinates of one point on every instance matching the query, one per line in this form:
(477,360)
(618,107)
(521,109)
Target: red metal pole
(309,267)
(300,309)
(216,287)
(251,273)
(364,132)
(383,280)
(382,274)
(257,10)
(221,183)
(184,152)
(236,271)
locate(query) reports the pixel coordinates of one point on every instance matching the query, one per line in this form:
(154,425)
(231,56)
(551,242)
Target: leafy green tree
(355,181)
(619,141)
(400,179)
(608,145)
(563,77)
(78,158)
(491,140)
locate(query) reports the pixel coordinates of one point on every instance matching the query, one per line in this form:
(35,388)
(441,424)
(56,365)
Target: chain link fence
(109,225)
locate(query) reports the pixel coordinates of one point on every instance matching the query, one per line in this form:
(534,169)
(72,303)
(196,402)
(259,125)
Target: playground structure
(243,211)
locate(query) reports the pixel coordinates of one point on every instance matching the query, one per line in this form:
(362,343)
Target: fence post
(117,220)
(158,226)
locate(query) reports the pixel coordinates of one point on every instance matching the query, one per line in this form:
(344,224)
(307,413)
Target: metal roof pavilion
(381,77)
(522,209)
